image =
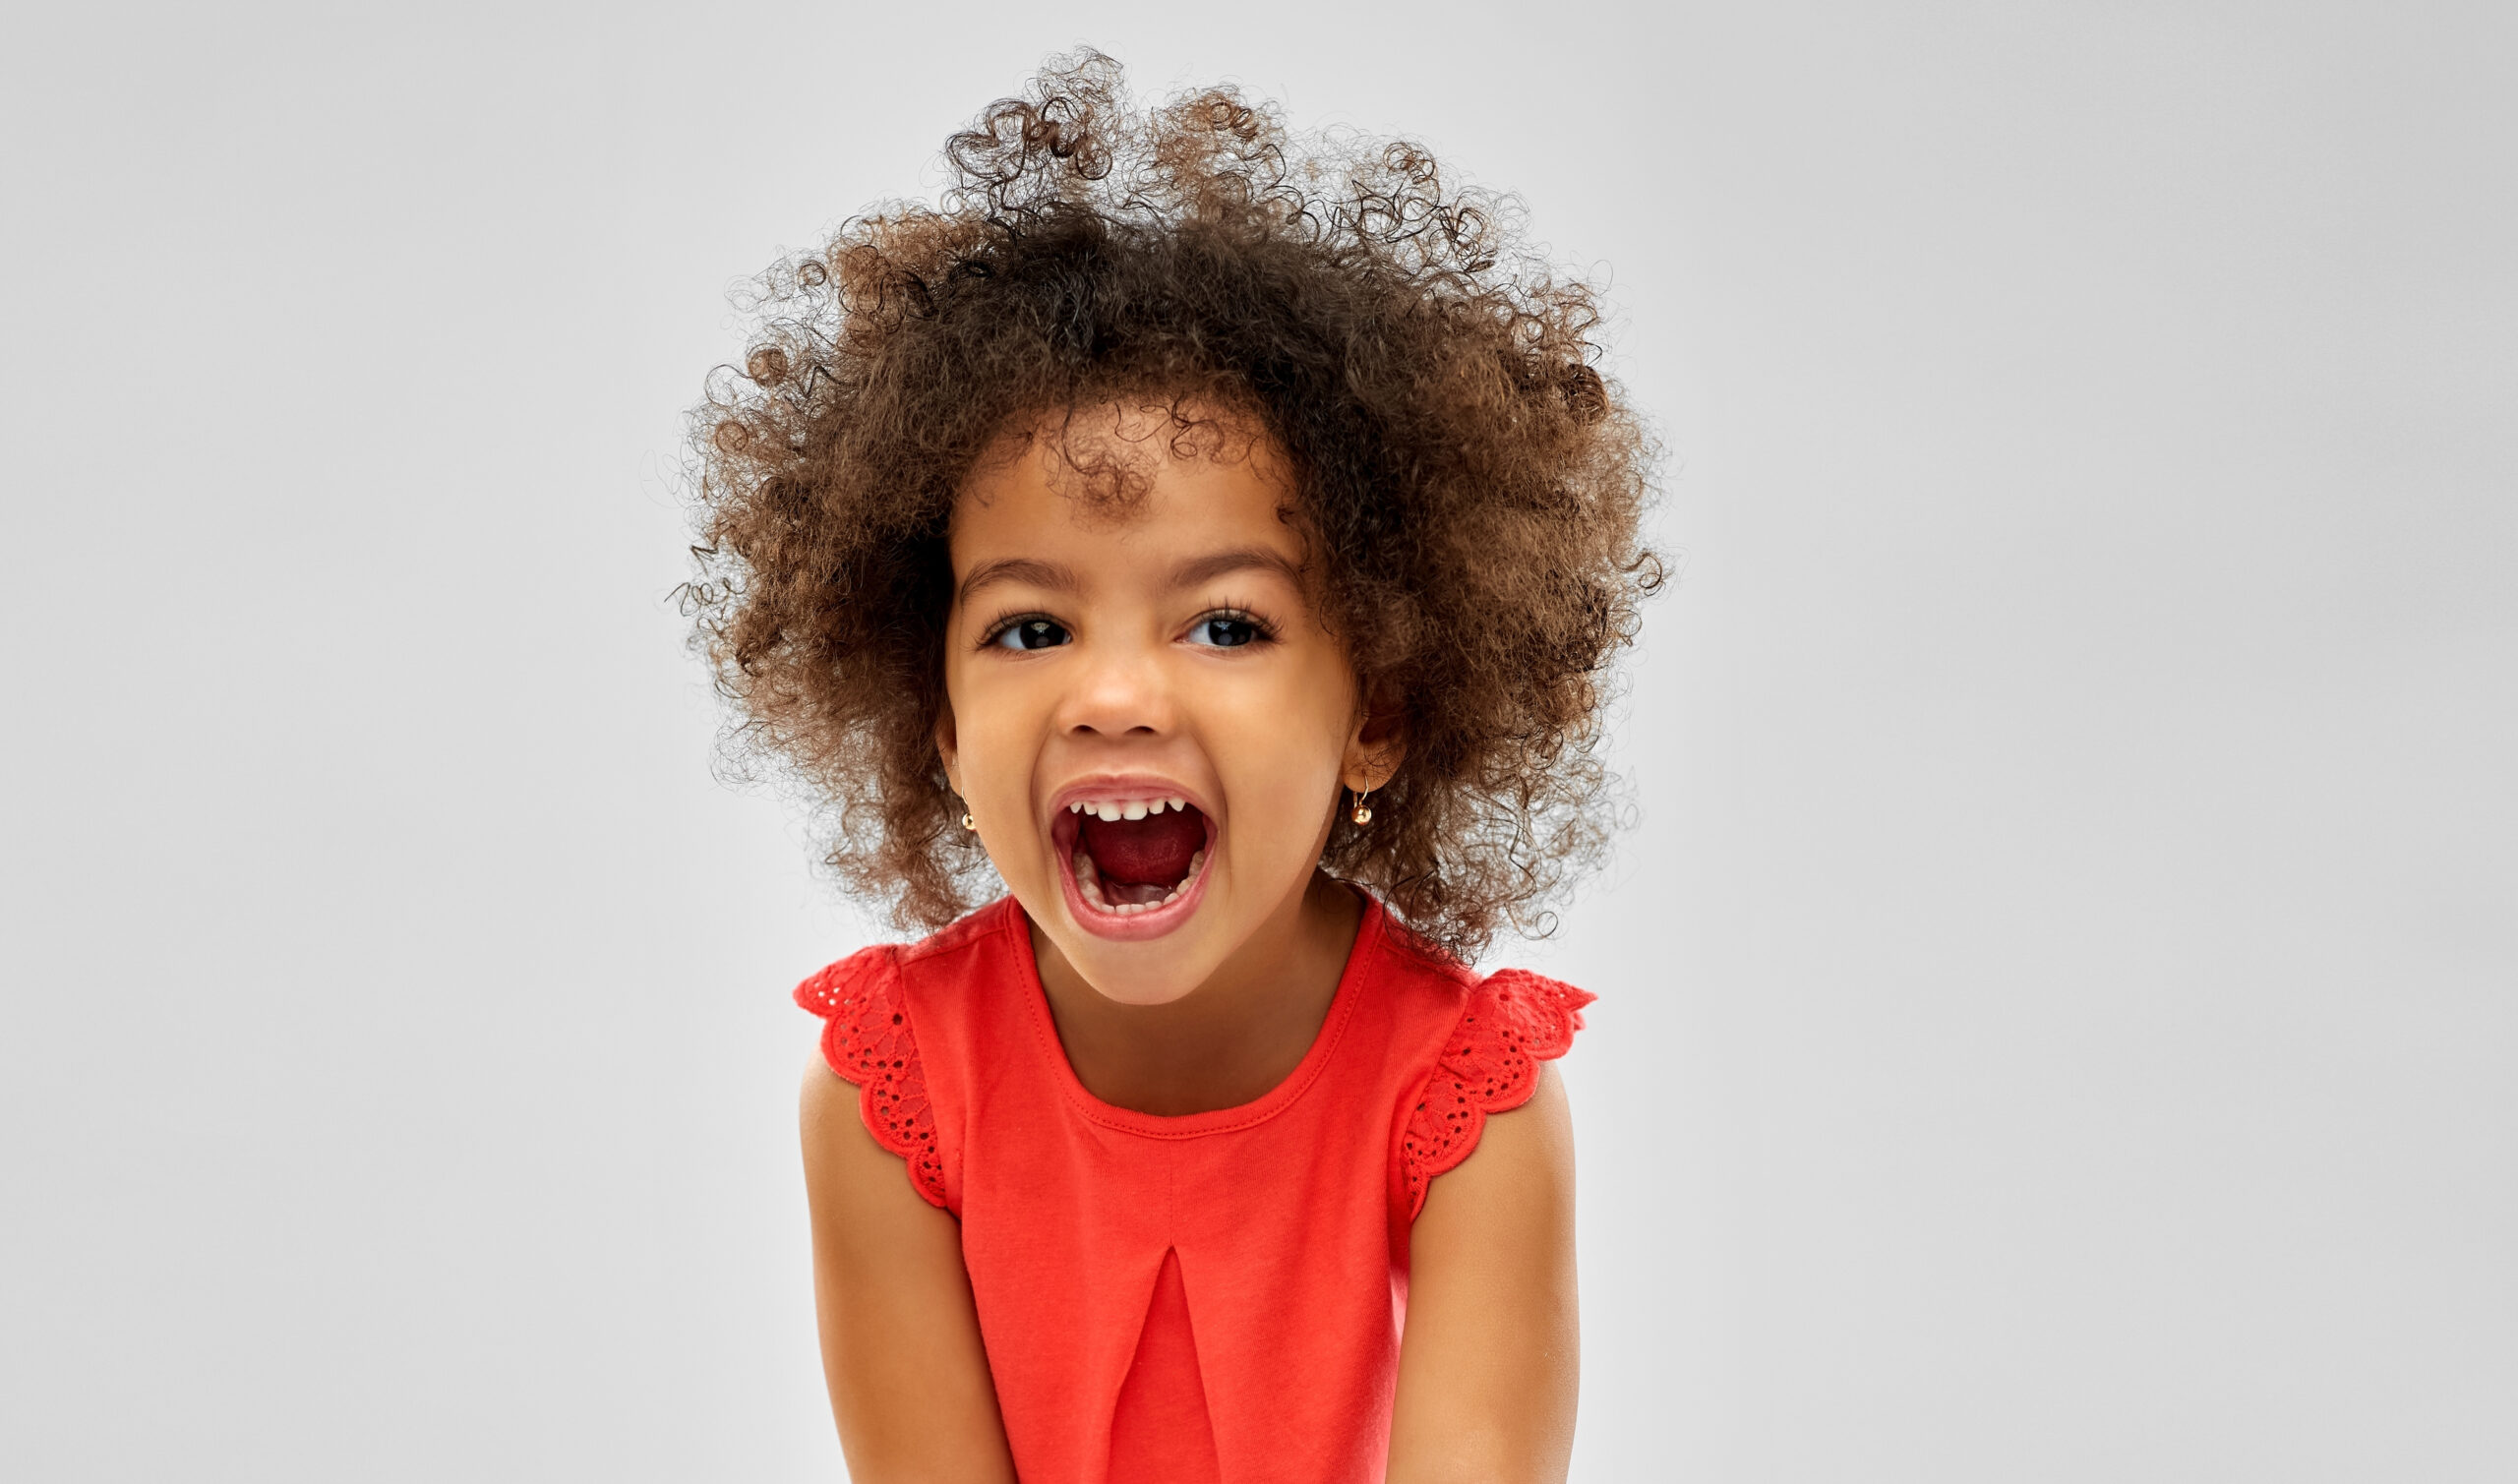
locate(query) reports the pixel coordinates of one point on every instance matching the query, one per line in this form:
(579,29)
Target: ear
(949,742)
(1375,745)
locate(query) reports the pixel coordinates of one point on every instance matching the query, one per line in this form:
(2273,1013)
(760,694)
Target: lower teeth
(1088,882)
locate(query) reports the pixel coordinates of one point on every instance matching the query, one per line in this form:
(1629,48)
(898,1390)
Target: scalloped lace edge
(1508,1025)
(866,1039)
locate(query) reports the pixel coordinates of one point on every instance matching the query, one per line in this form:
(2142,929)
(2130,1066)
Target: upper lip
(1124,786)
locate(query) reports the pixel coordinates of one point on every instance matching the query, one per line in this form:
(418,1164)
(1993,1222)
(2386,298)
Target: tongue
(1150,852)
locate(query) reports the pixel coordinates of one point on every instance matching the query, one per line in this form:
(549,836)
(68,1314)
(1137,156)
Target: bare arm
(909,1380)
(1488,1365)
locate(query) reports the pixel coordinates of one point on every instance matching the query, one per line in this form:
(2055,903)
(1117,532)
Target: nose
(1120,691)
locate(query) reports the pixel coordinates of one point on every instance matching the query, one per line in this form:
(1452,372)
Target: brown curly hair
(1469,484)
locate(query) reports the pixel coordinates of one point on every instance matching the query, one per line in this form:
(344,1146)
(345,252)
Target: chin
(1126,963)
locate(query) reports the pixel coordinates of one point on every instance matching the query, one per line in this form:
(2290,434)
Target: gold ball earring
(967,822)
(1363,812)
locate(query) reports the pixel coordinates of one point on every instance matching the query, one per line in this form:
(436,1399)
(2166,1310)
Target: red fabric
(1159,1429)
(1185,1300)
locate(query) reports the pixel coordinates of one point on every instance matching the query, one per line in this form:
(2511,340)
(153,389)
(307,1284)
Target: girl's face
(1145,719)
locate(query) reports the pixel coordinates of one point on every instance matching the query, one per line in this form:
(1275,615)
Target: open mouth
(1134,856)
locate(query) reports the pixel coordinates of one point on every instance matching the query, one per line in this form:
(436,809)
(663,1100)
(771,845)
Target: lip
(1136,927)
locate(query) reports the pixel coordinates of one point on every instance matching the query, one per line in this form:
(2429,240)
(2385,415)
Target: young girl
(1217,539)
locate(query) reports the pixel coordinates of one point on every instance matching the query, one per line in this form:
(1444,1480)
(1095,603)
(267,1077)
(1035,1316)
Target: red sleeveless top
(1183,1301)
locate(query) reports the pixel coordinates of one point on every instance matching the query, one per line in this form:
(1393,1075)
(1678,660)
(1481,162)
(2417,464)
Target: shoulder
(1502,1030)
(883,1000)
(1520,1151)
(872,1009)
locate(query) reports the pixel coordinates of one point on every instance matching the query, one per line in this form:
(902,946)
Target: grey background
(2057,1013)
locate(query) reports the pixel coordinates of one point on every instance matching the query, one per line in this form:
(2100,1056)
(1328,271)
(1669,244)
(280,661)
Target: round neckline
(1266,1106)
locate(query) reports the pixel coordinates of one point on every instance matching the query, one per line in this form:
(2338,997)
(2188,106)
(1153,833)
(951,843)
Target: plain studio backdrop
(2058,1006)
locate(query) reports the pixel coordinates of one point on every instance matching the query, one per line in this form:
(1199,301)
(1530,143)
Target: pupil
(1037,633)
(1228,632)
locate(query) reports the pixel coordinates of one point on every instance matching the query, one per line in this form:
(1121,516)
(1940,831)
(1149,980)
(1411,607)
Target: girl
(1219,540)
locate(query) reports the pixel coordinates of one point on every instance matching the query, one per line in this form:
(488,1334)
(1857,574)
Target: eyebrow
(1022,570)
(1240,559)
(1031,572)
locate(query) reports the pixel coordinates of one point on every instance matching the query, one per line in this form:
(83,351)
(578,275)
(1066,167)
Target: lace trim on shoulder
(1509,1023)
(866,1039)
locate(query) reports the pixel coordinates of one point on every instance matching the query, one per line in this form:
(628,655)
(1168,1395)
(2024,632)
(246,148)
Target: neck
(1225,1042)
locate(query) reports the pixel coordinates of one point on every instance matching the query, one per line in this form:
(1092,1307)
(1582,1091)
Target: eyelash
(1264,631)
(998,626)
(1233,613)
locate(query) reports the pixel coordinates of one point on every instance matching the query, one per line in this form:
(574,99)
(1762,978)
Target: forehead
(1120,487)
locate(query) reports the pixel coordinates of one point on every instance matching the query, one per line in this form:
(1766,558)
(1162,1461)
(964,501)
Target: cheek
(979,724)
(995,751)
(1288,744)
(986,724)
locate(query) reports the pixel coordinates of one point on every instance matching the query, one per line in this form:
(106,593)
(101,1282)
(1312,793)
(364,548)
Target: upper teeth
(1124,809)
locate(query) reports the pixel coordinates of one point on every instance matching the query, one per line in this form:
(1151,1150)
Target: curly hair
(1469,484)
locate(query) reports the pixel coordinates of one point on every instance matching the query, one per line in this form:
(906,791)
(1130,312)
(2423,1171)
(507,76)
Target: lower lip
(1135,926)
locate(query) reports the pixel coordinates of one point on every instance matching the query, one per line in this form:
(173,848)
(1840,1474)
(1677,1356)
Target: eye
(1029,634)
(1226,631)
